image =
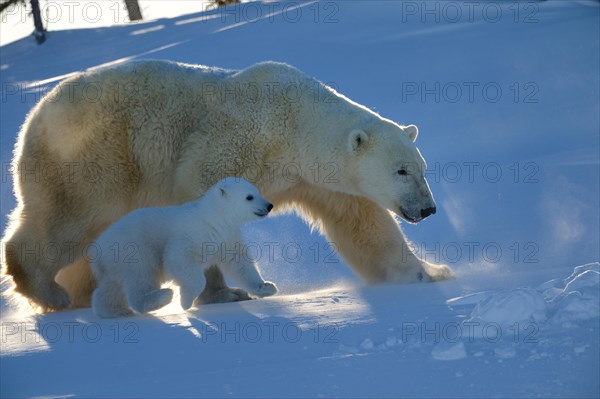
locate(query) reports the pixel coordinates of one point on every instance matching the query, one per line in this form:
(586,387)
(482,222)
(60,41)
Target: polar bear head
(241,200)
(389,168)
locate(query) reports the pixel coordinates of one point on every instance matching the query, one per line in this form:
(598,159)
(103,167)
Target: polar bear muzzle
(427,212)
(264,211)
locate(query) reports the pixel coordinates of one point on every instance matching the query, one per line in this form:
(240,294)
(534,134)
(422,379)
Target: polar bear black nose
(269,207)
(427,212)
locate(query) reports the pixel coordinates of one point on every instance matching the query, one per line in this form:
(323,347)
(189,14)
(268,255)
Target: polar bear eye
(249,198)
(402,172)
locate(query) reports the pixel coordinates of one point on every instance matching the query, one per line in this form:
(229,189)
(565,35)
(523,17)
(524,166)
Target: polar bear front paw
(267,288)
(421,273)
(438,272)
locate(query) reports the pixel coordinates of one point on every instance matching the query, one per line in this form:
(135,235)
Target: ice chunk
(510,307)
(449,351)
(580,299)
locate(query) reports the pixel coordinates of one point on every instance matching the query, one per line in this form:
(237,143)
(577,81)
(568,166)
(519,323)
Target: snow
(516,178)
(514,306)
(67,14)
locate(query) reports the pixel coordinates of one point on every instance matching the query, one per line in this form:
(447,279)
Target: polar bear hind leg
(108,300)
(32,272)
(142,292)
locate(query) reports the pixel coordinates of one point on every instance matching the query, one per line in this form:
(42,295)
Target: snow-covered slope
(16,21)
(506,96)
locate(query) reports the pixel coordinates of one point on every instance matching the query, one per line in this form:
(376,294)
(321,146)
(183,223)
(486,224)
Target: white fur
(152,245)
(173,130)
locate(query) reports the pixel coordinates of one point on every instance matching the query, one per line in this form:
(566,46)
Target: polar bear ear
(412,131)
(357,139)
(222,191)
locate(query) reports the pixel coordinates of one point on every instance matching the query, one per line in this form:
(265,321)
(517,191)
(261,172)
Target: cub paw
(238,294)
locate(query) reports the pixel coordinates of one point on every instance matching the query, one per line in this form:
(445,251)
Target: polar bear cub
(152,245)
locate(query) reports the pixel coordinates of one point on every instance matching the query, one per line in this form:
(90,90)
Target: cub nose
(269,207)
(427,212)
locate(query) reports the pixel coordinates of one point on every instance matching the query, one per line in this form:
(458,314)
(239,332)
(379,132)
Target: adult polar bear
(157,133)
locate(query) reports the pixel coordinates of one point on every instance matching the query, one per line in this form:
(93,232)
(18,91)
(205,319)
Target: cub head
(389,169)
(243,200)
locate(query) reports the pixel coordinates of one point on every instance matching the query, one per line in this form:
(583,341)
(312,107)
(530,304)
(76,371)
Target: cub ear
(356,139)
(412,131)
